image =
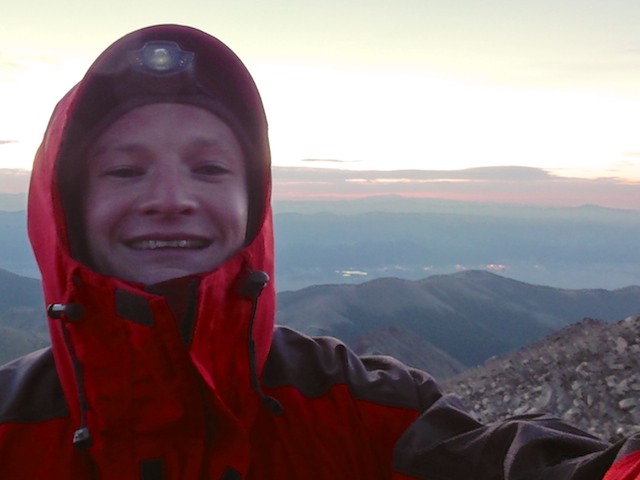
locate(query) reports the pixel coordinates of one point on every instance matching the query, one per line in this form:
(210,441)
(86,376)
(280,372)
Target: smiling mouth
(193,244)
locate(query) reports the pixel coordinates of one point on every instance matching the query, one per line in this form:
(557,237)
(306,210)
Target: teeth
(156,244)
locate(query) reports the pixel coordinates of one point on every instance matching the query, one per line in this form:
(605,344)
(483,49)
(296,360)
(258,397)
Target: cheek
(101,212)
(233,212)
(93,215)
(242,212)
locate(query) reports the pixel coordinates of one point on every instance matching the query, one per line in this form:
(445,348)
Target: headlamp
(161,58)
(159,68)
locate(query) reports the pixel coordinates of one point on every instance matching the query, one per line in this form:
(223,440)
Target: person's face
(166,194)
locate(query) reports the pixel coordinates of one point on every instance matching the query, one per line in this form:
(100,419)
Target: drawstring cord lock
(82,438)
(253,284)
(69,311)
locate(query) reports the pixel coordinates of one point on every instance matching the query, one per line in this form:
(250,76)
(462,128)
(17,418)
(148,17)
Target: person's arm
(445,443)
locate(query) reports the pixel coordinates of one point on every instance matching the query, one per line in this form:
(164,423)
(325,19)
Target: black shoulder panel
(30,390)
(315,364)
(530,447)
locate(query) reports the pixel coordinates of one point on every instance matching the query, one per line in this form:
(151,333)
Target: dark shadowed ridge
(413,350)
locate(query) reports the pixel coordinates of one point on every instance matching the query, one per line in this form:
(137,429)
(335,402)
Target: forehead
(166,124)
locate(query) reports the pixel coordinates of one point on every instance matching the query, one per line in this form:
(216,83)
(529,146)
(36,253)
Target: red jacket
(627,468)
(126,393)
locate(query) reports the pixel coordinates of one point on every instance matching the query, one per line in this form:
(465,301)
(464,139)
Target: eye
(210,169)
(124,171)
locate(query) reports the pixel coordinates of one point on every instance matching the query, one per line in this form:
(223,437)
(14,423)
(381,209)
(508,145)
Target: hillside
(22,330)
(471,315)
(22,319)
(413,350)
(588,374)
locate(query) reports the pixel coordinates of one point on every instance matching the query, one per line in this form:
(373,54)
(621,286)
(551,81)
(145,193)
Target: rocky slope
(587,373)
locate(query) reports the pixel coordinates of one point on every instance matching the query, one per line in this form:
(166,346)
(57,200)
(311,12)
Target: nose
(167,192)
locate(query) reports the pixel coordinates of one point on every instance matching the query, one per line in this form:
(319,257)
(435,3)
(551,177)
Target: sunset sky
(413,84)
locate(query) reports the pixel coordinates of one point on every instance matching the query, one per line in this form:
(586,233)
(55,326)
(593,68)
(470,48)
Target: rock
(628,403)
(621,345)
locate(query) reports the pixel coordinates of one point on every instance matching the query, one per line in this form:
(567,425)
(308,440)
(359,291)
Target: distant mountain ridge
(352,241)
(322,242)
(471,315)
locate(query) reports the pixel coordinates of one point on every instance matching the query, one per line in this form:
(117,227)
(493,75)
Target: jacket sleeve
(445,443)
(440,440)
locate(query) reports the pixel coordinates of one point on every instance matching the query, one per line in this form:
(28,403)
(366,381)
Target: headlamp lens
(162,58)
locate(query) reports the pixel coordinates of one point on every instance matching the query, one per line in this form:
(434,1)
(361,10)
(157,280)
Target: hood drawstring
(252,287)
(72,312)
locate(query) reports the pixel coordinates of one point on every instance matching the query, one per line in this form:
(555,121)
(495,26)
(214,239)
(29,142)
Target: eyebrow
(133,146)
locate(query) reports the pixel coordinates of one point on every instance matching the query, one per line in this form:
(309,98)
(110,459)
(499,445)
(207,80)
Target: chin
(152,278)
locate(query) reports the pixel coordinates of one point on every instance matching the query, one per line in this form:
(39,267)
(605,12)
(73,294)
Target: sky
(414,84)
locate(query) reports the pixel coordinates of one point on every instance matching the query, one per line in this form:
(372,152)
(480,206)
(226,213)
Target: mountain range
(469,316)
(360,240)
(357,240)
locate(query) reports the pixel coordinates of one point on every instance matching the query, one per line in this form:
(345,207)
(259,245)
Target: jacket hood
(125,365)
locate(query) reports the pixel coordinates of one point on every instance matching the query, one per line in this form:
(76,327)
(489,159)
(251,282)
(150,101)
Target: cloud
(26,59)
(518,185)
(496,267)
(504,173)
(332,177)
(9,63)
(14,180)
(327,160)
